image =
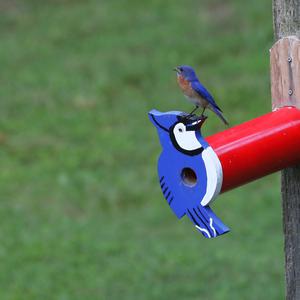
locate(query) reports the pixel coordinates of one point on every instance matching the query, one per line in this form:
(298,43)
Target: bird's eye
(179,128)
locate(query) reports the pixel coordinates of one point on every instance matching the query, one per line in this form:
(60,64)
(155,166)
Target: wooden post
(285,86)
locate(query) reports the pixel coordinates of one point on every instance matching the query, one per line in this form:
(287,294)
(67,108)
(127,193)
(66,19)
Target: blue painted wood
(183,147)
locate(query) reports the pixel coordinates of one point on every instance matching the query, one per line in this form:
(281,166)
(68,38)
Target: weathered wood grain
(286,20)
(285,72)
(290,189)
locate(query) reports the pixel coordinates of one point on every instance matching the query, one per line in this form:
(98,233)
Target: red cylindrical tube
(258,147)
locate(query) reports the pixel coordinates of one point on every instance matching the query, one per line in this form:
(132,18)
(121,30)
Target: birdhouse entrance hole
(189,177)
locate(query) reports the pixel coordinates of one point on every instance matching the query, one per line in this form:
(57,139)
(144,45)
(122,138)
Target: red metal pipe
(258,147)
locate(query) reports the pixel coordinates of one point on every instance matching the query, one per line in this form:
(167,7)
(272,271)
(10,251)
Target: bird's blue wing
(204,93)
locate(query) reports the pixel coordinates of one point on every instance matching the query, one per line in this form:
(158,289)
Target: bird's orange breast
(185,86)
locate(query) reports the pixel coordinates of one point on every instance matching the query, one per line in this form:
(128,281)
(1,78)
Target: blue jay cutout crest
(190,173)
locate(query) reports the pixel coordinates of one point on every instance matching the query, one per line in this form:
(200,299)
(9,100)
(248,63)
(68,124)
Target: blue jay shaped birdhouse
(190,173)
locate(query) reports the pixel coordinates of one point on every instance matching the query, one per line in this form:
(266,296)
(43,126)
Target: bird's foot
(193,117)
(203,117)
(188,116)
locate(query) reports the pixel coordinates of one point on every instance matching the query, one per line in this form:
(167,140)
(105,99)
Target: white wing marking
(212,227)
(203,230)
(214,175)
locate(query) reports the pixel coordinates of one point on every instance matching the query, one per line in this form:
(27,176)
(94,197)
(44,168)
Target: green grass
(81,213)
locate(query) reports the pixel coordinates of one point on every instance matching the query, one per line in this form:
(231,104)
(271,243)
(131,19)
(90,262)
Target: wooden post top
(285,72)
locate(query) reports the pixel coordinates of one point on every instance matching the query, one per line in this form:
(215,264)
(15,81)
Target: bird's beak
(176,70)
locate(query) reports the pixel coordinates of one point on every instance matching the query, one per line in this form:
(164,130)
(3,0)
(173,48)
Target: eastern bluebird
(195,92)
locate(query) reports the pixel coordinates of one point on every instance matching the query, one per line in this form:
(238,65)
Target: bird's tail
(218,112)
(206,221)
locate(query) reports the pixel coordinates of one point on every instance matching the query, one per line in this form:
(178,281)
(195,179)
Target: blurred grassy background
(81,213)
